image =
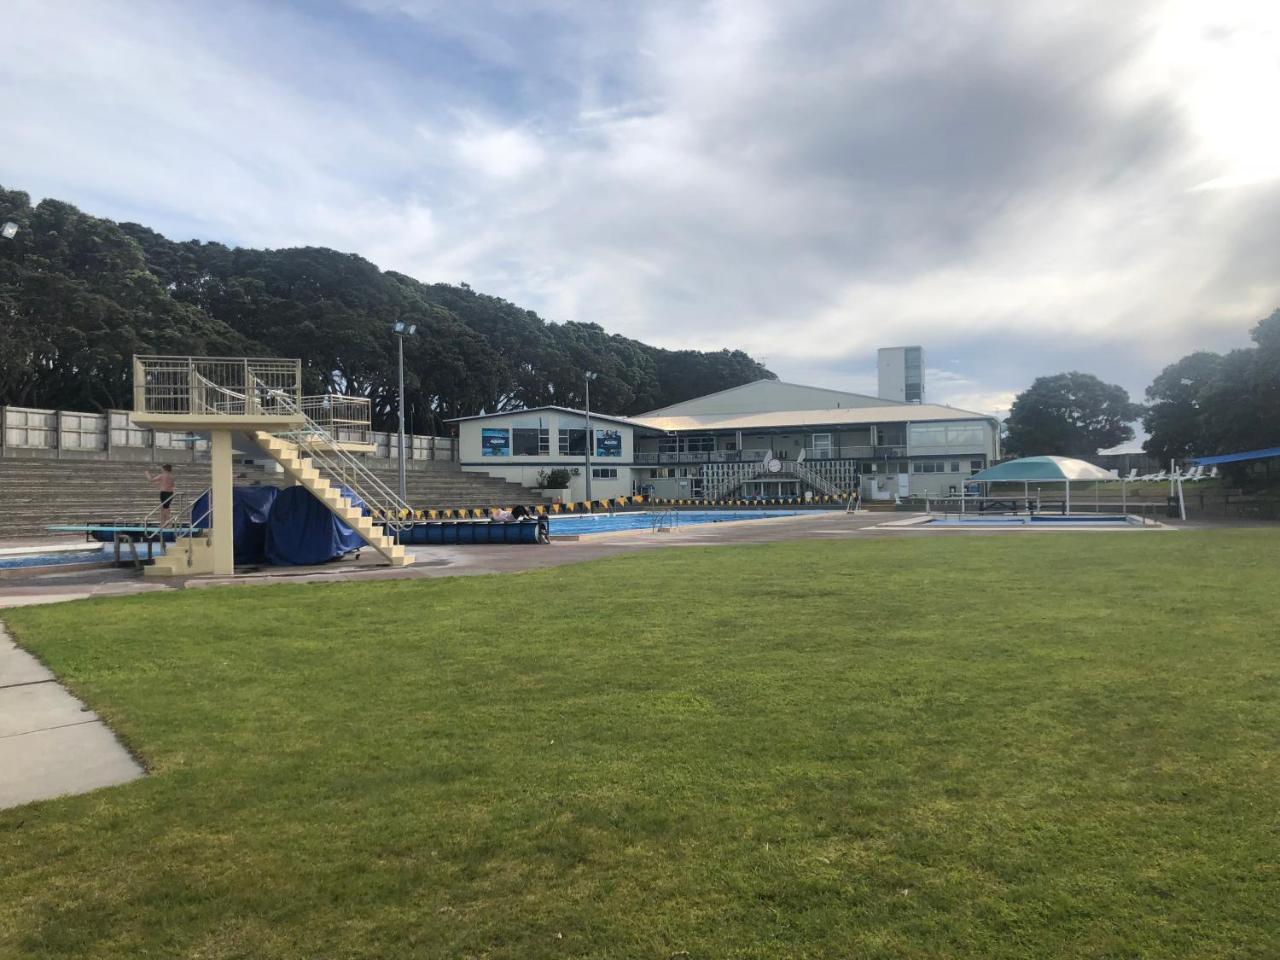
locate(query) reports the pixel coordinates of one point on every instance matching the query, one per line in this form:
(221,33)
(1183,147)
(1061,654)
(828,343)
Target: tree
(79,295)
(1207,403)
(1070,414)
(1175,416)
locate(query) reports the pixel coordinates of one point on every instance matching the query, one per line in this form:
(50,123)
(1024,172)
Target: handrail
(327,450)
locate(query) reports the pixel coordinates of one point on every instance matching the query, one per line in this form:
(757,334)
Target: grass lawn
(1057,745)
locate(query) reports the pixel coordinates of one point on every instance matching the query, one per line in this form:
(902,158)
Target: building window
(955,466)
(573,443)
(604,473)
(495,442)
(530,442)
(976,465)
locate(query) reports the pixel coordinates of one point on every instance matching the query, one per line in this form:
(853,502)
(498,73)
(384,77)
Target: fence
(62,434)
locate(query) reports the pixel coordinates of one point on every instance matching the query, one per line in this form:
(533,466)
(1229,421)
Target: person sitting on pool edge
(500,514)
(164,479)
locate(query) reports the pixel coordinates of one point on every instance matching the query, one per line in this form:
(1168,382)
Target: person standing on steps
(164,481)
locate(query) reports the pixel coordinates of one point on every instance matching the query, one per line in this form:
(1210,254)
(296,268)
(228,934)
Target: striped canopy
(1042,469)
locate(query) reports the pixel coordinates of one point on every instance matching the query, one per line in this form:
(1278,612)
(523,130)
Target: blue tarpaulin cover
(250,508)
(302,531)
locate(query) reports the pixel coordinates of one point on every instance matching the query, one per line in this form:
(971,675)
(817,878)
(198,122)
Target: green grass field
(1057,745)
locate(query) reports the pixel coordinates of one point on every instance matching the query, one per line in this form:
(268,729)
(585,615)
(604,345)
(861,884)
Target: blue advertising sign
(495,442)
(608,443)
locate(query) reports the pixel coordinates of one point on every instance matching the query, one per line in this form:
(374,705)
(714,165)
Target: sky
(1023,187)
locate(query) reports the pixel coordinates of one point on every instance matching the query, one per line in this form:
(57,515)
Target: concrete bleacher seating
(36,492)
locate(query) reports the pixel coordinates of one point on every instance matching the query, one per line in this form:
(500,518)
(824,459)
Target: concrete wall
(71,435)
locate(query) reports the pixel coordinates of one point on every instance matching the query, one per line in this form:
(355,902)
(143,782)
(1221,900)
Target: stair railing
(327,451)
(820,483)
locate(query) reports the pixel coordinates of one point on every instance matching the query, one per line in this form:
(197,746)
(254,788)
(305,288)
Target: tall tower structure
(901,372)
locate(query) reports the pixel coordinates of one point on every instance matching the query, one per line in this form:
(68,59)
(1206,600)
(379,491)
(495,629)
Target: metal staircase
(734,475)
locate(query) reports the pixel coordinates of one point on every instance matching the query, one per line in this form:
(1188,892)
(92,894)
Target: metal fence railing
(221,386)
(347,419)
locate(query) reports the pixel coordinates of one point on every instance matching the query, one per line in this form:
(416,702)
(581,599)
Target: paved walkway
(50,743)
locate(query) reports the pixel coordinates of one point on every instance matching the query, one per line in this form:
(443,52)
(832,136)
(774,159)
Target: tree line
(80,295)
(1204,404)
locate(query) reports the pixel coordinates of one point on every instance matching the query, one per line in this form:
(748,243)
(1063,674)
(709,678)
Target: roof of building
(1042,470)
(630,421)
(839,416)
(861,399)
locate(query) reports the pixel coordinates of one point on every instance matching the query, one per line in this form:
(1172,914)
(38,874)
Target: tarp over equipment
(250,509)
(302,531)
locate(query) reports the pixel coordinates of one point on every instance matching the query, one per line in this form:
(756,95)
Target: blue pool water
(643,520)
(88,555)
(1001,521)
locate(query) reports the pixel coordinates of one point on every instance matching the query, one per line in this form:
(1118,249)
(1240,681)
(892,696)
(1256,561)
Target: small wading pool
(61,558)
(1098,520)
(643,520)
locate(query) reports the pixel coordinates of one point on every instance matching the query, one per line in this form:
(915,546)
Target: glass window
(573,443)
(604,473)
(528,441)
(955,466)
(976,465)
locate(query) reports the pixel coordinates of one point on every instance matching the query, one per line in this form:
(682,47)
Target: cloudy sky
(1023,187)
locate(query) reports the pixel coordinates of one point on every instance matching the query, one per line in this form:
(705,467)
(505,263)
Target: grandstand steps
(36,492)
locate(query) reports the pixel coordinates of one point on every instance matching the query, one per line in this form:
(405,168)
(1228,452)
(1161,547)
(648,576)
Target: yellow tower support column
(224,549)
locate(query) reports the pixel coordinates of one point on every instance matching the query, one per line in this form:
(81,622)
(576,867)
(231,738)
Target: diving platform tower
(258,403)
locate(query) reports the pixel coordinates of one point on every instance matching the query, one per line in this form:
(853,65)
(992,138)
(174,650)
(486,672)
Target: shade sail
(1239,457)
(1042,469)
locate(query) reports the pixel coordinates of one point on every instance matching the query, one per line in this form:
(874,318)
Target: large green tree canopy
(1071,415)
(1208,403)
(79,295)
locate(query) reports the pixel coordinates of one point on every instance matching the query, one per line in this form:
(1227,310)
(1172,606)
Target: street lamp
(402,330)
(9,230)
(589,376)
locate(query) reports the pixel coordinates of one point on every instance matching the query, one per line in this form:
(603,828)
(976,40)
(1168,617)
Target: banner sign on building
(495,442)
(608,443)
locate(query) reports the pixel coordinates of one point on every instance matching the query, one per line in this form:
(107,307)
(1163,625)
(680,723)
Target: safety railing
(819,483)
(348,419)
(217,386)
(329,455)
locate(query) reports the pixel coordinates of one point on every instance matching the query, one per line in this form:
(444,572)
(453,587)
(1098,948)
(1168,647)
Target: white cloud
(1028,182)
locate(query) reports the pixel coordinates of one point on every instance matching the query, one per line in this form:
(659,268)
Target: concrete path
(50,743)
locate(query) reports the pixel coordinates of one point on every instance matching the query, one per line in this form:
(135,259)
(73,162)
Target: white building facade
(763,439)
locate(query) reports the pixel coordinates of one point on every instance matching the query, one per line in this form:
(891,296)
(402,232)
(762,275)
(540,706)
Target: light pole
(402,330)
(589,376)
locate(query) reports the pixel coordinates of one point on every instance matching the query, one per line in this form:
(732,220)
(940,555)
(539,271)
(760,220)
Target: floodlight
(9,230)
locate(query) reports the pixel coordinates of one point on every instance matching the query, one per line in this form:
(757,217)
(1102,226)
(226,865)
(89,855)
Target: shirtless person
(164,480)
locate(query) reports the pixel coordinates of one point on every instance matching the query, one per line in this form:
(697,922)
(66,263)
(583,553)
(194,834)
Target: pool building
(762,439)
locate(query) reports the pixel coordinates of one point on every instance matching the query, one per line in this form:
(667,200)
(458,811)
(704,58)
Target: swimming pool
(20,560)
(643,520)
(1101,519)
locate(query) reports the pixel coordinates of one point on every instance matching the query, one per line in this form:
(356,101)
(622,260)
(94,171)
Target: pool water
(1001,521)
(643,520)
(61,558)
